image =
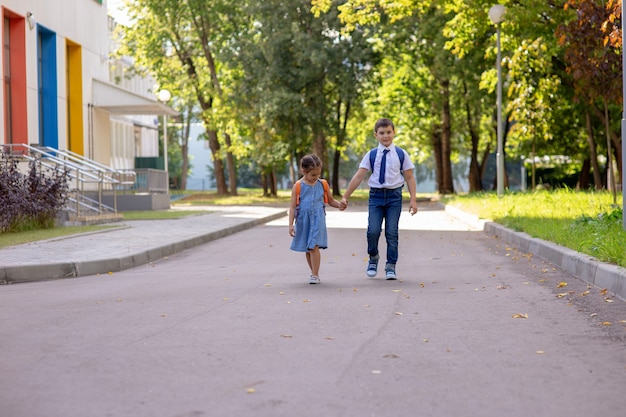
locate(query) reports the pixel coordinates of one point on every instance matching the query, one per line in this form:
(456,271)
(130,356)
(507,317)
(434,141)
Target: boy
(391,167)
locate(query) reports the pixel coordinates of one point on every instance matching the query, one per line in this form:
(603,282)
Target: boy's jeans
(384,204)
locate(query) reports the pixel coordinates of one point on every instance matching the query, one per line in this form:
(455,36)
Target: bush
(30,201)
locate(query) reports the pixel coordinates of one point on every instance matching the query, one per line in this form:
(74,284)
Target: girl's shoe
(314,280)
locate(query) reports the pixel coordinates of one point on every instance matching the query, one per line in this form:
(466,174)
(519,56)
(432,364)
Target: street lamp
(164,97)
(496,14)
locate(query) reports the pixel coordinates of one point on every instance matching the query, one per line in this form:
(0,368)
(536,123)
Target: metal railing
(149,180)
(85,174)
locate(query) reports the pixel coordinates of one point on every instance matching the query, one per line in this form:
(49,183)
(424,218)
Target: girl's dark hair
(309,162)
(383,123)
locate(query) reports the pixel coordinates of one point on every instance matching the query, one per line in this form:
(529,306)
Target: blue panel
(47,76)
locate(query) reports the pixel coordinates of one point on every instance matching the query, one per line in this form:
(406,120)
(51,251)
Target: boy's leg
(375,216)
(374,229)
(392,219)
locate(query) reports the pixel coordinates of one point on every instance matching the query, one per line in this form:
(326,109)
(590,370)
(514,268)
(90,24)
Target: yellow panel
(75,139)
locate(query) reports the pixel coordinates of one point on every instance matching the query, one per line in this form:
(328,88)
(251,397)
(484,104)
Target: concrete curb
(584,267)
(73,269)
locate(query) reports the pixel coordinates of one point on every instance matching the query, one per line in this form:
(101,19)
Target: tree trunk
(475,172)
(232,169)
(593,154)
(218,165)
(185,148)
(341,137)
(436,142)
(583,178)
(446,140)
(609,163)
(319,149)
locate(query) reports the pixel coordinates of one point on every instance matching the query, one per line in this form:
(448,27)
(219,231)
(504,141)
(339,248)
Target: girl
(309,197)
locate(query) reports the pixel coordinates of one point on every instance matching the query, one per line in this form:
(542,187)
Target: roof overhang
(117,100)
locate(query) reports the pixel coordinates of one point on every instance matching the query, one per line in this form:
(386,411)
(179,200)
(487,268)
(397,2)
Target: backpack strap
(324,185)
(400,152)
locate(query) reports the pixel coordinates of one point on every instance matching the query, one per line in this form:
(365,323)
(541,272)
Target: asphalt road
(232,328)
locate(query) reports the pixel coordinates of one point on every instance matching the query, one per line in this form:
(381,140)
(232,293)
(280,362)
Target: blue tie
(383,166)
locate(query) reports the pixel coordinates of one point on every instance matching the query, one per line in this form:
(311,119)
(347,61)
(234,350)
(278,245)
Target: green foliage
(30,200)
(587,222)
(287,78)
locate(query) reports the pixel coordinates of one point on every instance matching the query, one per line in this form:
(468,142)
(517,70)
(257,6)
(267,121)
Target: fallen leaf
(606,323)
(329,338)
(281,293)
(422,284)
(355,289)
(396,290)
(562,284)
(560,295)
(225,299)
(286,336)
(267,285)
(251,390)
(585,293)
(426,340)
(163,315)
(397,313)
(391,355)
(306,301)
(520,316)
(376,371)
(501,287)
(540,352)
(608,300)
(604,291)
(110,273)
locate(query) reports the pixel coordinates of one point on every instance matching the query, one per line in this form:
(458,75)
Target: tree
(595,63)
(180,43)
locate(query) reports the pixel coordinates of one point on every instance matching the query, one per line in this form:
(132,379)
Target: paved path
(232,328)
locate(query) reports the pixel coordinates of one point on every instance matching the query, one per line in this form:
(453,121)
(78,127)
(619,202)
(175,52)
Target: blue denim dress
(310,224)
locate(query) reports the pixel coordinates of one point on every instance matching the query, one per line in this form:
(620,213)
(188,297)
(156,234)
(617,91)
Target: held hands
(343,204)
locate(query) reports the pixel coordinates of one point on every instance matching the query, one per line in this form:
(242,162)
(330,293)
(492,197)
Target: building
(60,89)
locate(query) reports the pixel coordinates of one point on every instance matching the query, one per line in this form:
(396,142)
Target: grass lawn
(586,222)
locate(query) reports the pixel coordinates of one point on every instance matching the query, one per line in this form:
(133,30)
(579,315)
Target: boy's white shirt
(393,176)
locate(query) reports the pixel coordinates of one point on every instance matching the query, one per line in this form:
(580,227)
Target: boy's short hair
(384,122)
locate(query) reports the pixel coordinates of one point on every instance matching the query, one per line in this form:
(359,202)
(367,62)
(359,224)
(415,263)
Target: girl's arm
(332,202)
(292,212)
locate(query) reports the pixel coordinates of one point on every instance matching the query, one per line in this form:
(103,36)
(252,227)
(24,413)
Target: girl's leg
(314,258)
(308,261)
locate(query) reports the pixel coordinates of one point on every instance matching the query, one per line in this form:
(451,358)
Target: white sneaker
(314,280)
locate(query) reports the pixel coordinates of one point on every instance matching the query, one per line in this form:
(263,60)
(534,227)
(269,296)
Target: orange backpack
(324,184)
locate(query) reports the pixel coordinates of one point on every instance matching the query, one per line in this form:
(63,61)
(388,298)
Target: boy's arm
(354,183)
(412,186)
(292,212)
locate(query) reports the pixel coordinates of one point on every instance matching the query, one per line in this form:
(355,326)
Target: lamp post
(496,14)
(164,97)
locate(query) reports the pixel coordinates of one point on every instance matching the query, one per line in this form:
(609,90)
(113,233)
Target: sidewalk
(131,244)
(137,243)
